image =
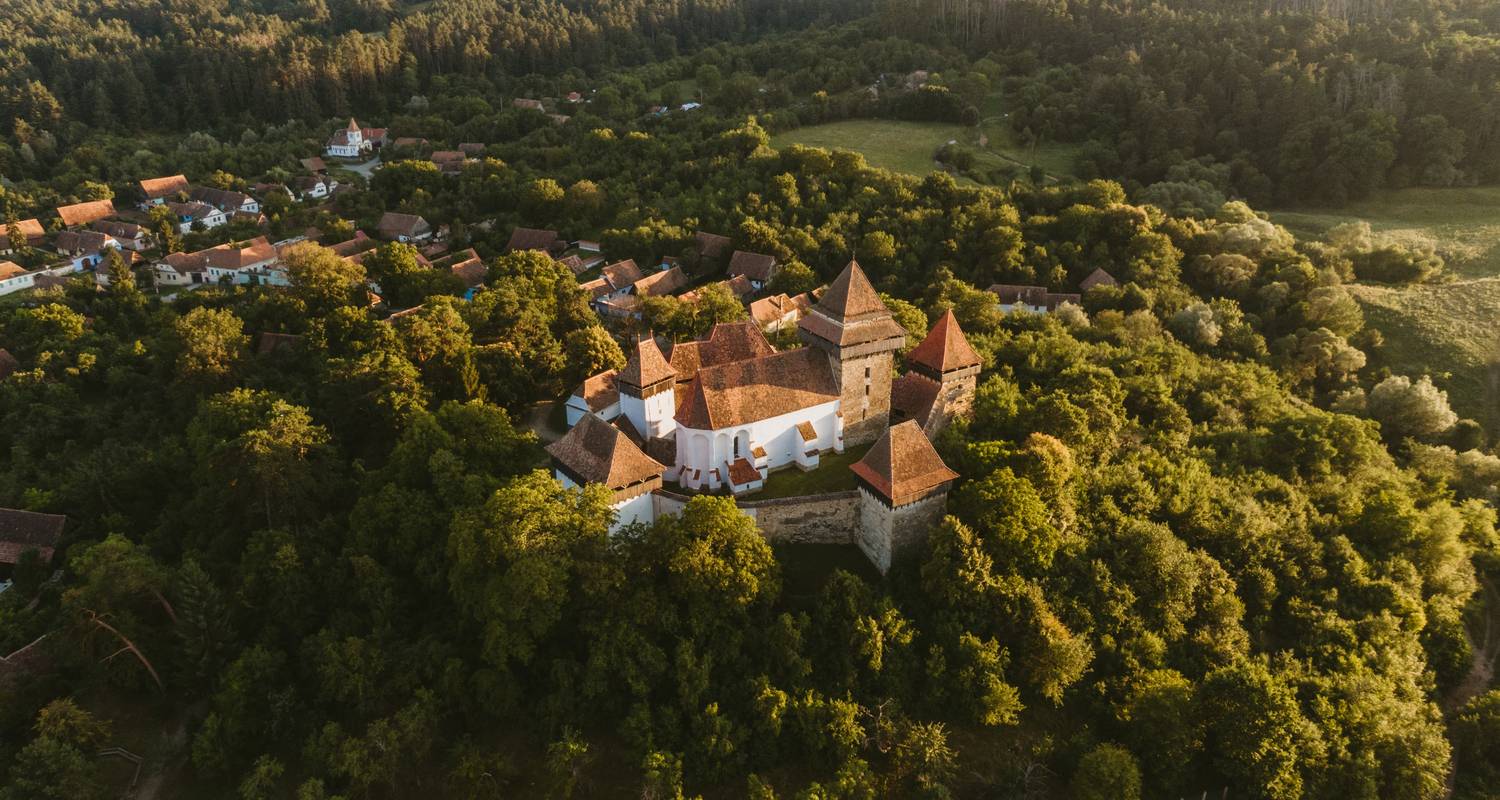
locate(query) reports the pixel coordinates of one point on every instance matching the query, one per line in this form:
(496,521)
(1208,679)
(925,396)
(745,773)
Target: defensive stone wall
(813,519)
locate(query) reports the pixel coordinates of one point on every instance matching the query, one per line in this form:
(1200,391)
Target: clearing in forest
(909,147)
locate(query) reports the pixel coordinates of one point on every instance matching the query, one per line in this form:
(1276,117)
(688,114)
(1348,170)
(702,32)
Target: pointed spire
(353,126)
(851,295)
(945,349)
(645,365)
(902,466)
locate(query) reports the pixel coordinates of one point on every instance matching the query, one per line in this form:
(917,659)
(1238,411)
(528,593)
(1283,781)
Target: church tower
(354,135)
(861,338)
(944,373)
(646,385)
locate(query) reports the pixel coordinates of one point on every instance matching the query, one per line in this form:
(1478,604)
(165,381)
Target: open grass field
(1451,331)
(1463,224)
(908,147)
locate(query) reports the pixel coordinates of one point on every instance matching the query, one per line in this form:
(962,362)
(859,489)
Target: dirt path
(1486,652)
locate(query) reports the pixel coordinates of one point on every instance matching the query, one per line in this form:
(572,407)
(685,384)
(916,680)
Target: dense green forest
(1314,102)
(1198,544)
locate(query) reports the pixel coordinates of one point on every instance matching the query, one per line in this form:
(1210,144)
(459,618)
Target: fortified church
(726,411)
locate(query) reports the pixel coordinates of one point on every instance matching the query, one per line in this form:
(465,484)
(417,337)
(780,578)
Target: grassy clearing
(1448,331)
(1463,224)
(908,147)
(832,475)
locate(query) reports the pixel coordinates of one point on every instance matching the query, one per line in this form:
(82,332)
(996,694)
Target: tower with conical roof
(943,372)
(646,386)
(903,494)
(860,337)
(354,134)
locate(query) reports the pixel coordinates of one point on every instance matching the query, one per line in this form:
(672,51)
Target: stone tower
(903,494)
(860,337)
(943,373)
(647,389)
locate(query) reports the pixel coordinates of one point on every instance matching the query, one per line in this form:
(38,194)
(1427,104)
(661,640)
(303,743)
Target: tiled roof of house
(194,210)
(755,266)
(645,365)
(158,188)
(10,269)
(945,348)
(532,239)
(902,465)
(119,230)
(599,391)
(739,286)
(314,164)
(771,310)
(31,228)
(594,451)
(27,530)
(469,268)
(81,242)
(359,243)
(396,224)
(1011,293)
(622,273)
(1097,278)
(596,288)
(527,102)
(224,199)
(662,282)
(759,388)
(8,364)
(84,213)
(574,264)
(711,245)
(227,256)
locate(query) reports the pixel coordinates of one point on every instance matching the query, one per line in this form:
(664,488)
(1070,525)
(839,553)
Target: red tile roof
(902,466)
(945,348)
(742,472)
(851,295)
(27,530)
(646,366)
(397,224)
(594,451)
(532,239)
(158,188)
(711,245)
(755,266)
(851,313)
(662,282)
(912,397)
(759,388)
(727,342)
(1097,278)
(622,273)
(599,391)
(84,213)
(32,229)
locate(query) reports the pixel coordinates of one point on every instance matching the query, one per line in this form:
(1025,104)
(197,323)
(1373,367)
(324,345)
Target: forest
(1199,544)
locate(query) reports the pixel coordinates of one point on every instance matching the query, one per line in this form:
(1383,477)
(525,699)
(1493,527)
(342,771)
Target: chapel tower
(647,389)
(860,338)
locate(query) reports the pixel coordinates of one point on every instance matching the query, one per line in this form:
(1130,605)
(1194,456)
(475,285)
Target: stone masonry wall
(815,519)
